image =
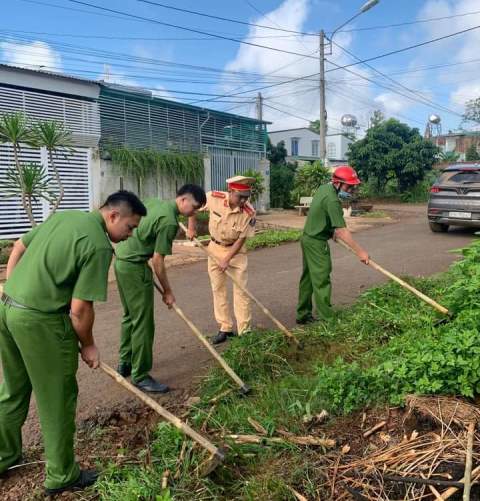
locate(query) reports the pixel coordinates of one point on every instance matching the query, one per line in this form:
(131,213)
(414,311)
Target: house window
(331,150)
(315,148)
(295,142)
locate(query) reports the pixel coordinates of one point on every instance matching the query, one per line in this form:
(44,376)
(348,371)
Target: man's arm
(192,227)
(15,256)
(83,316)
(158,264)
(345,235)
(233,251)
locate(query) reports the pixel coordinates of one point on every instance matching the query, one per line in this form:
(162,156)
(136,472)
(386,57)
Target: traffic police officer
(54,274)
(324,221)
(152,239)
(231,222)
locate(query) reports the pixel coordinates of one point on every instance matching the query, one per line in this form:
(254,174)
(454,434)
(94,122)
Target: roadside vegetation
(385,346)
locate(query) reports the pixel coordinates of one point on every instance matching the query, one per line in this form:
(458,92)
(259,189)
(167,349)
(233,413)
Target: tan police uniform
(226,226)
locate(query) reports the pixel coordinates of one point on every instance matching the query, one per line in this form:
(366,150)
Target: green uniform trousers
(40,351)
(315,280)
(135,286)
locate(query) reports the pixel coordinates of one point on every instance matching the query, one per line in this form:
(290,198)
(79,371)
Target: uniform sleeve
(28,237)
(249,229)
(165,236)
(335,213)
(92,282)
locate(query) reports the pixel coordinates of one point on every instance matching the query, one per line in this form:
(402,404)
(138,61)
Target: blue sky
(140,53)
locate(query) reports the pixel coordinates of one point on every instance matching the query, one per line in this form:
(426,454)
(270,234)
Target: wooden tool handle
(401,282)
(265,310)
(171,418)
(201,337)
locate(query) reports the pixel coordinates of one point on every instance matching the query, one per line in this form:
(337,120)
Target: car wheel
(438,227)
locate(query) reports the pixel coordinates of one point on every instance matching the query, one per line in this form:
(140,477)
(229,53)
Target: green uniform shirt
(155,233)
(67,256)
(325,214)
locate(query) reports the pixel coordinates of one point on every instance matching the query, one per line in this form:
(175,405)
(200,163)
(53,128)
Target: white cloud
(299,98)
(34,55)
(455,49)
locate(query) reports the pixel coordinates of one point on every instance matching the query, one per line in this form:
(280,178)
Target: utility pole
(259,106)
(323,111)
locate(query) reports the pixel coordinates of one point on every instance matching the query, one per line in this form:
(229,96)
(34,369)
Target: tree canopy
(394,151)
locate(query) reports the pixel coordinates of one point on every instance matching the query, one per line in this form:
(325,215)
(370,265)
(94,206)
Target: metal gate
(225,163)
(74,170)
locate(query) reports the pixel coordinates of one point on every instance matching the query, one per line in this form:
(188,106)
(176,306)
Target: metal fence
(143,121)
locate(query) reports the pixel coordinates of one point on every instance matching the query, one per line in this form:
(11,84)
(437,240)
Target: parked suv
(455,198)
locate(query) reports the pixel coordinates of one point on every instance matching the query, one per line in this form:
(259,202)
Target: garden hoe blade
(265,310)
(212,462)
(244,388)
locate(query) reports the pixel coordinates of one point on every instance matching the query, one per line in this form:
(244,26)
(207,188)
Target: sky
(200,68)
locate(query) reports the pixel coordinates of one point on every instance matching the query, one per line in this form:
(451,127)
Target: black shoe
(306,320)
(124,369)
(221,337)
(86,479)
(149,385)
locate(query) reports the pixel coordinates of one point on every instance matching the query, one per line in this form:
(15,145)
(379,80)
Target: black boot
(124,369)
(86,479)
(150,385)
(221,337)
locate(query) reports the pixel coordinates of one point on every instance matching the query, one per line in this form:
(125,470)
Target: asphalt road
(406,247)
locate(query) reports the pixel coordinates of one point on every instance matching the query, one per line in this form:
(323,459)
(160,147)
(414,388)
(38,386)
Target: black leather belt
(221,243)
(7,300)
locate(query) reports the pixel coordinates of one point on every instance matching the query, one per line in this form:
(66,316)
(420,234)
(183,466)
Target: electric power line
(219,18)
(185,28)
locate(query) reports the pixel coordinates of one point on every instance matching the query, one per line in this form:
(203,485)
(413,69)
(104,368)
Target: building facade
(458,142)
(99,115)
(303,144)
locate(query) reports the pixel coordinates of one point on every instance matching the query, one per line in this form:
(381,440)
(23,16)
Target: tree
(15,129)
(281,184)
(276,154)
(471,155)
(32,180)
(377,118)
(472,110)
(308,179)
(448,156)
(392,150)
(55,138)
(315,126)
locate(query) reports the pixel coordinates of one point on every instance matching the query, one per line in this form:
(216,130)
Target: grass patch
(385,345)
(273,238)
(375,214)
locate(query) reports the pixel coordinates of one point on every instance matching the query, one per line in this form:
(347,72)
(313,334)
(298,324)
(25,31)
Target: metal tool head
(245,389)
(215,460)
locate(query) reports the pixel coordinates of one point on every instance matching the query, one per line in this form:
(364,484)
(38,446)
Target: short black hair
(197,192)
(128,198)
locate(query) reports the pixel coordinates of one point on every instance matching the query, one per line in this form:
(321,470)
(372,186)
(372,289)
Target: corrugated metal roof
(53,74)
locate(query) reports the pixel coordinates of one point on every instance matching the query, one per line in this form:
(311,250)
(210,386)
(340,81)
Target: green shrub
(272,238)
(5,248)
(281,185)
(308,179)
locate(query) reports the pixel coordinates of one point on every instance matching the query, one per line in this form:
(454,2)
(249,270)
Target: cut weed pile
(373,354)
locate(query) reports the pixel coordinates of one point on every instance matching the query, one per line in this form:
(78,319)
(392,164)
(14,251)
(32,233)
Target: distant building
(303,144)
(457,141)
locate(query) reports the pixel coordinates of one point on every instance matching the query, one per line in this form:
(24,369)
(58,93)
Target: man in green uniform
(324,221)
(152,239)
(54,274)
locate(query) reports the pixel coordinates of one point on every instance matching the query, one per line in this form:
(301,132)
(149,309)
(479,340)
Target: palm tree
(15,129)
(55,138)
(33,184)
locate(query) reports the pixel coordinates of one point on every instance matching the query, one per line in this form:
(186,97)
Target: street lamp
(323,113)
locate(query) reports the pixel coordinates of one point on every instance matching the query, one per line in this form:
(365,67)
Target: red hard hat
(345,174)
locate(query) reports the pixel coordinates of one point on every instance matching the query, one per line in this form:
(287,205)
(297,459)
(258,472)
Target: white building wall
(308,143)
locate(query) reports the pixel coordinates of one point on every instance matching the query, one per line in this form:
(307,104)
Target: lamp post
(323,112)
